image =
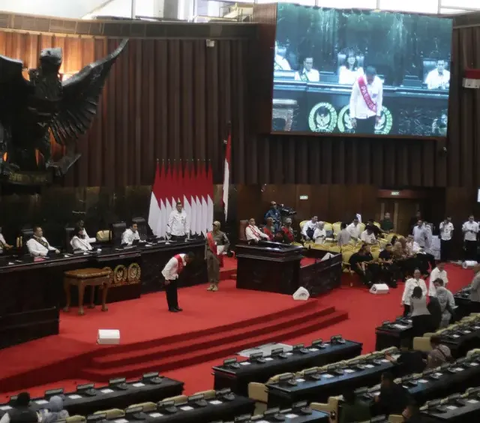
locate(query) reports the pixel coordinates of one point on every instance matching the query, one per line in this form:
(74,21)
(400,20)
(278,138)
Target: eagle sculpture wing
(14,88)
(81,93)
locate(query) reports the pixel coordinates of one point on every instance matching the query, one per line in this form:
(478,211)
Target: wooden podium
(269,266)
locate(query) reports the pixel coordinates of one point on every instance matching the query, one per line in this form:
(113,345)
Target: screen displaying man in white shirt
(253,233)
(446,232)
(80,242)
(280,62)
(38,245)
(438,273)
(470,230)
(438,78)
(178,224)
(366,102)
(130,235)
(307,73)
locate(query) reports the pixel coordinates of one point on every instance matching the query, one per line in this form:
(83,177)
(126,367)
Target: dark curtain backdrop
(171,99)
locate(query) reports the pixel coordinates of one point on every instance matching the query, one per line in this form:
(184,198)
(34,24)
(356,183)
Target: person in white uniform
(38,245)
(3,244)
(366,102)
(178,227)
(354,229)
(438,273)
(368,237)
(308,229)
(470,231)
(80,242)
(130,235)
(280,62)
(446,232)
(410,285)
(307,73)
(81,225)
(438,78)
(253,233)
(320,233)
(171,272)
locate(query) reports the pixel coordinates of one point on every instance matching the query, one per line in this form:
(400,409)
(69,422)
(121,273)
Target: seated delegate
(38,245)
(130,235)
(80,242)
(439,355)
(393,398)
(21,411)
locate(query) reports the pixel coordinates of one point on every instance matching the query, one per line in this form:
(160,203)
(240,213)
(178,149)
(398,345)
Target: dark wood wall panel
(172,99)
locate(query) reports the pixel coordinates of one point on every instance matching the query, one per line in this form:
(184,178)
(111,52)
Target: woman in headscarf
(446,301)
(320,233)
(55,411)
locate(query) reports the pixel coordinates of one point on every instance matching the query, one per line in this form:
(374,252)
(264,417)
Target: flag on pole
(155,202)
(226,173)
(210,211)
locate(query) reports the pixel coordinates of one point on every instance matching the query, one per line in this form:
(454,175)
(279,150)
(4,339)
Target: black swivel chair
(142,227)
(117,231)
(26,234)
(69,233)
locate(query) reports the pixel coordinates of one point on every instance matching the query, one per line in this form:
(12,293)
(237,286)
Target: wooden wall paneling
(389,158)
(249,202)
(161,100)
(173,109)
(188,109)
(318,198)
(328,162)
(214,122)
(339,166)
(148,130)
(378,163)
(126,113)
(314,161)
(304,208)
(201,107)
(110,128)
(226,95)
(476,107)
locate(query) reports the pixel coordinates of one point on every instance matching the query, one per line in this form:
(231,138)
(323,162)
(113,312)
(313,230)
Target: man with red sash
(216,246)
(269,229)
(252,232)
(171,273)
(366,102)
(287,230)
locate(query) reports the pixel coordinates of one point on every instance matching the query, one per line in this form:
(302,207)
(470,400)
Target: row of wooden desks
(237,376)
(32,290)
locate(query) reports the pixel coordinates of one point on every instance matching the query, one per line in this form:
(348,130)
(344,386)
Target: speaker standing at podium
(171,272)
(216,245)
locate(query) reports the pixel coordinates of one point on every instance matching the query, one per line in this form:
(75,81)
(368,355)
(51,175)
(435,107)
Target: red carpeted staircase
(182,350)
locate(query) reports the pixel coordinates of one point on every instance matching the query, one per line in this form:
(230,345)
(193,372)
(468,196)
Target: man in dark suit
(393,398)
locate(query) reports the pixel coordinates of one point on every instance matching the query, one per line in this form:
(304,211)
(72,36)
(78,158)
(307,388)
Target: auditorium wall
(171,97)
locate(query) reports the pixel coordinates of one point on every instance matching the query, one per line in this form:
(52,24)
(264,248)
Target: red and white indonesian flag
(226,174)
(472,78)
(193,188)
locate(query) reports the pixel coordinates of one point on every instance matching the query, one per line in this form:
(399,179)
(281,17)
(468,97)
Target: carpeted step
(197,356)
(189,343)
(191,336)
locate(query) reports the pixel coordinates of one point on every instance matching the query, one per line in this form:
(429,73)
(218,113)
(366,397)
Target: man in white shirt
(354,229)
(413,247)
(3,244)
(446,232)
(80,242)
(38,246)
(81,225)
(171,272)
(130,235)
(368,237)
(410,284)
(320,234)
(280,62)
(307,73)
(253,233)
(366,102)
(438,78)
(420,235)
(470,230)
(309,227)
(438,273)
(178,225)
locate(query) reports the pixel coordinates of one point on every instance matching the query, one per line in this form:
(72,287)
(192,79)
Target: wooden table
(87,277)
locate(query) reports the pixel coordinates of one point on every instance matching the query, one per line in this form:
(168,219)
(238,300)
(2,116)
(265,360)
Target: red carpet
(236,310)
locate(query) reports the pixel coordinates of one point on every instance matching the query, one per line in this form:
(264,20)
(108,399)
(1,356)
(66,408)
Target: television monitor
(361,72)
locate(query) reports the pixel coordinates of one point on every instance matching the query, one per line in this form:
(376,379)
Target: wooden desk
(82,278)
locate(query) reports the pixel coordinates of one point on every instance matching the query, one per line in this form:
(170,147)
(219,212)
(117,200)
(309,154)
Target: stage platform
(213,325)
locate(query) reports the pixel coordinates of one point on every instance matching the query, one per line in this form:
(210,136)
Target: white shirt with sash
(80,244)
(129,236)
(281,63)
(253,233)
(37,249)
(178,224)
(170,271)
(312,75)
(358,105)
